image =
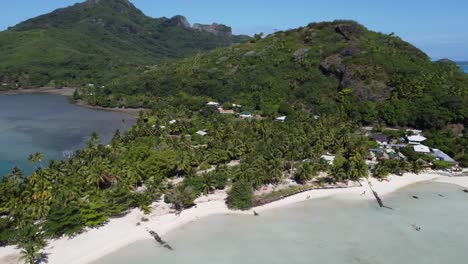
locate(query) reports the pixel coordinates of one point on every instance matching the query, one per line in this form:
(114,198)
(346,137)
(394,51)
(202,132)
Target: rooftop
(421,149)
(417,138)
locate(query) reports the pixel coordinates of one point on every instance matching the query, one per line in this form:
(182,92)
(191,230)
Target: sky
(438,27)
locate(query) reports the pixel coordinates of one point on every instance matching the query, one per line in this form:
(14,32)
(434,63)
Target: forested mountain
(97,40)
(321,67)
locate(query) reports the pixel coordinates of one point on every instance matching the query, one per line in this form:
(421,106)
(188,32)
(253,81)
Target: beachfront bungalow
(440,155)
(416,140)
(245,114)
(381,139)
(281,119)
(421,149)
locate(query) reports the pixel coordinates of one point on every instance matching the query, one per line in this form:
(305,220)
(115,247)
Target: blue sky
(440,28)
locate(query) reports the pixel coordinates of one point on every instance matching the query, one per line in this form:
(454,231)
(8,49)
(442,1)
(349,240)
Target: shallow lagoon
(49,124)
(331,230)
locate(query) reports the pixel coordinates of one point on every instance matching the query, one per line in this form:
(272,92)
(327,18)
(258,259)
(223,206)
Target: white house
(172,122)
(281,118)
(416,140)
(213,104)
(421,149)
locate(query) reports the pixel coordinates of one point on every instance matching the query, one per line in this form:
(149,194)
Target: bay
(50,124)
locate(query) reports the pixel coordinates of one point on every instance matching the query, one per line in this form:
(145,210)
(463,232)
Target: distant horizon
(446,37)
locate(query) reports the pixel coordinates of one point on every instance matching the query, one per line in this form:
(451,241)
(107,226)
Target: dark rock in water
(417,228)
(465,191)
(415,197)
(159,240)
(255,213)
(441,195)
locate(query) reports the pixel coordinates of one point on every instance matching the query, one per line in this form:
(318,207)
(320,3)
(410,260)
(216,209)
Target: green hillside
(95,41)
(321,68)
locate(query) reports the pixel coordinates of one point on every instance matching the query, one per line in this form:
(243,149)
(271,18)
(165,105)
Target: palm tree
(36,158)
(305,172)
(135,175)
(30,253)
(208,183)
(31,249)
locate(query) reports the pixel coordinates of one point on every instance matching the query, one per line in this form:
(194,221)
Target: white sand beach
(120,232)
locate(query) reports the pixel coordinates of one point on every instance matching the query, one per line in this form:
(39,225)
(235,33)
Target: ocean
(463,66)
(331,230)
(49,124)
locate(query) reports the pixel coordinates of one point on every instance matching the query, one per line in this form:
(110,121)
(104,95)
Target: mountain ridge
(94,42)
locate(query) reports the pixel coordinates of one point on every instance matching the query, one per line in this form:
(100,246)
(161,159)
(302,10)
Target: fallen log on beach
(379,201)
(159,240)
(376,195)
(465,191)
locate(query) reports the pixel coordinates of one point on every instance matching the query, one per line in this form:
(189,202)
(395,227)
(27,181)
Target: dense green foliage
(322,68)
(240,196)
(93,43)
(140,166)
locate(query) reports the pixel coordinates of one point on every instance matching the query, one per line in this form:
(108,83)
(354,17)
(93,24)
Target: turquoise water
(464,66)
(51,125)
(331,230)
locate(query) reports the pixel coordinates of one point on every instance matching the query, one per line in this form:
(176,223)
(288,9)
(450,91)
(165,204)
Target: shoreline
(68,92)
(94,244)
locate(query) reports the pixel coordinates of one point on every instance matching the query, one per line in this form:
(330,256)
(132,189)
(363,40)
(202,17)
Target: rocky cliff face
(215,28)
(179,21)
(349,75)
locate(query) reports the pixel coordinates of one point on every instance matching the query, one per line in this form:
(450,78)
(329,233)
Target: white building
(172,122)
(281,118)
(213,104)
(416,140)
(421,149)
